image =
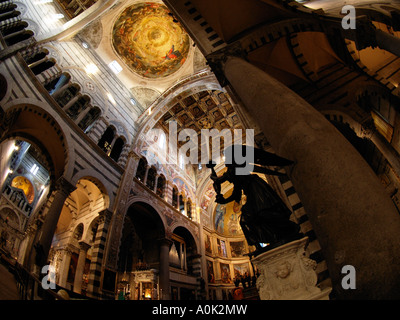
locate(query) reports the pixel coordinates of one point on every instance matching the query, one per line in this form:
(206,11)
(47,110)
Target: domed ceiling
(149,40)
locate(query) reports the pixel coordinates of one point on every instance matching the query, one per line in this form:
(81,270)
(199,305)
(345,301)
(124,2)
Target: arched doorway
(184,260)
(74,239)
(142,260)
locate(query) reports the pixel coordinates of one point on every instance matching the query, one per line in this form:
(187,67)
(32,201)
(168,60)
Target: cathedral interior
(93,94)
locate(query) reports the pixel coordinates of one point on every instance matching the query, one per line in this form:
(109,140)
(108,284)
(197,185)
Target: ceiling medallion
(149,41)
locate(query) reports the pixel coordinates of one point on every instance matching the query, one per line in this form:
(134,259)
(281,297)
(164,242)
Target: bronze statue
(265,217)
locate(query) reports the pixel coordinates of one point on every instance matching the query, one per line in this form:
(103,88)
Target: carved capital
(165,242)
(217,60)
(84,246)
(368,129)
(64,186)
(105,216)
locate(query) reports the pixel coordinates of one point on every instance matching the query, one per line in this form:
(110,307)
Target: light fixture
(111,98)
(91,69)
(133,101)
(115,67)
(85,45)
(34,169)
(58,16)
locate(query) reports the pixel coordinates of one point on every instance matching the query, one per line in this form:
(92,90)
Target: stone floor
(8,286)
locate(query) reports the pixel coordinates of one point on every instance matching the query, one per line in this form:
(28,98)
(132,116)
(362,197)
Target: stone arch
(155,211)
(100,182)
(91,230)
(340,115)
(193,238)
(8,211)
(143,228)
(79,231)
(36,126)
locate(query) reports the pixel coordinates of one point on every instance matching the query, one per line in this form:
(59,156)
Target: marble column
(165,244)
(62,190)
(354,219)
(83,248)
(369,131)
(65,267)
(99,246)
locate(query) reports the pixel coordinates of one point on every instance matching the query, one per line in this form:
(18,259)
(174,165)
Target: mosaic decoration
(149,41)
(26,186)
(227,217)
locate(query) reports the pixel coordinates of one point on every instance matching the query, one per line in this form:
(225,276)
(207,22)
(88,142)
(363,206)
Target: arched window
(117,149)
(9,14)
(141,170)
(34,59)
(88,120)
(106,140)
(175,197)
(42,66)
(160,186)
(17,27)
(55,85)
(18,37)
(79,106)
(67,95)
(151,178)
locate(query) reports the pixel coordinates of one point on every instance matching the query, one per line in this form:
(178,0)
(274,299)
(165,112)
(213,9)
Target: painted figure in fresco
(265,217)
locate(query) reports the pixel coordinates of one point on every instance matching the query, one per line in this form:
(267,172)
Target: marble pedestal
(287,273)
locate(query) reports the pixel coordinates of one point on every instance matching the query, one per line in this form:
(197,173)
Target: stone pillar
(84,247)
(65,267)
(49,75)
(62,190)
(354,219)
(165,244)
(96,265)
(98,129)
(369,131)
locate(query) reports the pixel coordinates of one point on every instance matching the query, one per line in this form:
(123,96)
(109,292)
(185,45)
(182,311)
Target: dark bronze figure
(265,217)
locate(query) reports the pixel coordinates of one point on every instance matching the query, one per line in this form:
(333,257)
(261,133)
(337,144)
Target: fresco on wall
(149,41)
(207,244)
(227,217)
(237,248)
(210,272)
(221,246)
(241,270)
(182,186)
(225,273)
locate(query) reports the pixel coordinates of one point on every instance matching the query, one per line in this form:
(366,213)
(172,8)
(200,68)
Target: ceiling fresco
(150,41)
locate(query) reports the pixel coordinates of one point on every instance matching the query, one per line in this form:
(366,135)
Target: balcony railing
(17,197)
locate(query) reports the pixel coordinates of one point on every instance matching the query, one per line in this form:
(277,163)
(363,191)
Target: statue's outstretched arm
(235,196)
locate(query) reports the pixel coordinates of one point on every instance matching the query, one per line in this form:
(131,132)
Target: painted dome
(149,41)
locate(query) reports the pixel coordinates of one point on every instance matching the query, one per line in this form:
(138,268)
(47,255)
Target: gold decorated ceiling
(150,41)
(203,110)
